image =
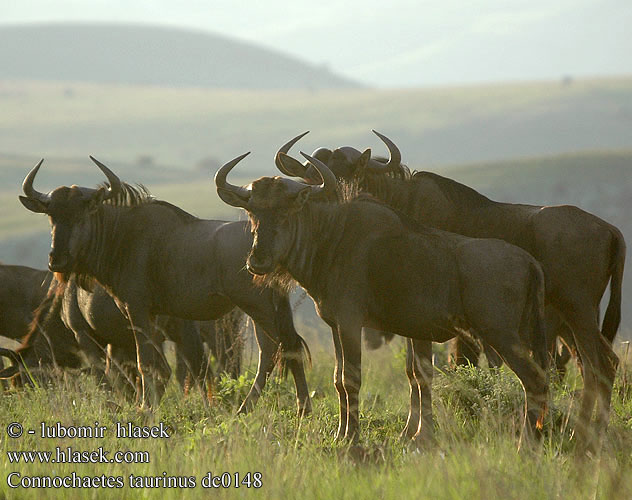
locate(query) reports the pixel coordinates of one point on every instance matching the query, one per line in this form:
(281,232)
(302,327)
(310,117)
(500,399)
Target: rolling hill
(150,55)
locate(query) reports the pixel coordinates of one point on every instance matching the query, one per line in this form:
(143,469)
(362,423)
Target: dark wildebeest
(96,321)
(579,253)
(225,340)
(23,290)
(155,258)
(365,265)
(72,321)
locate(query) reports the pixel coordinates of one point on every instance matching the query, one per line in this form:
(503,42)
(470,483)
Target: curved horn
(285,163)
(15,361)
(242,193)
(115,182)
(329,184)
(395,157)
(27,185)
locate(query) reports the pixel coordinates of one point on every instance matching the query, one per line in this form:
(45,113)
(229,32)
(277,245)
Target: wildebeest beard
(279,280)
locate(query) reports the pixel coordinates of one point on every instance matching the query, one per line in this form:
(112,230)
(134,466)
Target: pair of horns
(31,192)
(294,168)
(241,195)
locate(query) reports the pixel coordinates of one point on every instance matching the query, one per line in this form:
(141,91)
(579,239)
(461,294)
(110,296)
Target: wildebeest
(155,258)
(579,253)
(73,323)
(96,321)
(22,295)
(22,290)
(365,265)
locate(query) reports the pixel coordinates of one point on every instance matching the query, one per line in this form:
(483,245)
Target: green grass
(476,456)
(181,126)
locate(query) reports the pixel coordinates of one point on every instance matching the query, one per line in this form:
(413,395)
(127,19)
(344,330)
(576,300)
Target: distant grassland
(432,126)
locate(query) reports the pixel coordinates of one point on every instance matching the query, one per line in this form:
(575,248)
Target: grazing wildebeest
(96,321)
(72,323)
(155,258)
(22,294)
(225,340)
(579,253)
(47,343)
(22,290)
(365,265)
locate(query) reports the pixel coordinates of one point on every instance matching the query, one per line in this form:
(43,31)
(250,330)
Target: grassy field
(181,127)
(476,455)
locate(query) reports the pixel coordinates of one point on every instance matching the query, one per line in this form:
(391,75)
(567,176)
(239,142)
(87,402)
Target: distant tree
(208,164)
(145,161)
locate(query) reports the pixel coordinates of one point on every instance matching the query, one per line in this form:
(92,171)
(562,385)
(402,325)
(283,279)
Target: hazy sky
(396,43)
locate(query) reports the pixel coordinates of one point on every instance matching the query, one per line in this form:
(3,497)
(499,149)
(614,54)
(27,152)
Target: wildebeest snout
(58,261)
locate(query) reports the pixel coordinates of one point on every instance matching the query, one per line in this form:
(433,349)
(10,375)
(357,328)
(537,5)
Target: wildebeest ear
(363,160)
(33,204)
(231,198)
(302,197)
(98,197)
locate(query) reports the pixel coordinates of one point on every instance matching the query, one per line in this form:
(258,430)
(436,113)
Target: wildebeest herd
(373,244)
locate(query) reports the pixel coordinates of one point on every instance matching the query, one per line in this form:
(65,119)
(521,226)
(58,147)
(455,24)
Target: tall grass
(476,418)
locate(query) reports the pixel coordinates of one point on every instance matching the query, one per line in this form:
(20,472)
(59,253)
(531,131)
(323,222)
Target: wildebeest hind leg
(598,367)
(533,380)
(293,354)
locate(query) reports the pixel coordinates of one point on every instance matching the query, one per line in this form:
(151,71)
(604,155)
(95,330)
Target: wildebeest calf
(365,265)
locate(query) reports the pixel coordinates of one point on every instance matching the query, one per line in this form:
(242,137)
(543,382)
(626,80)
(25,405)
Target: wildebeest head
(270,203)
(66,208)
(345,162)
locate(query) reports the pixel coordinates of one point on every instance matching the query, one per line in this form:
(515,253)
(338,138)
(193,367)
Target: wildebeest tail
(293,347)
(612,318)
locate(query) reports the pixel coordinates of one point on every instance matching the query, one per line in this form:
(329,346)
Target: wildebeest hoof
(407,434)
(422,442)
(304,412)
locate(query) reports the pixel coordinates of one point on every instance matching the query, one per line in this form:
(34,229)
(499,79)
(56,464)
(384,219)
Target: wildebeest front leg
(351,343)
(414,414)
(423,373)
(152,365)
(340,388)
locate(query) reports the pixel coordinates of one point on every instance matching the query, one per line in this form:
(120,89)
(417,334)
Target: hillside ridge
(156,55)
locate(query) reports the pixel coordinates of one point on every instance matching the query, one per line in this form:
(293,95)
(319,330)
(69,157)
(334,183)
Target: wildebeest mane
(105,252)
(132,196)
(459,194)
(382,185)
(408,221)
(400,172)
